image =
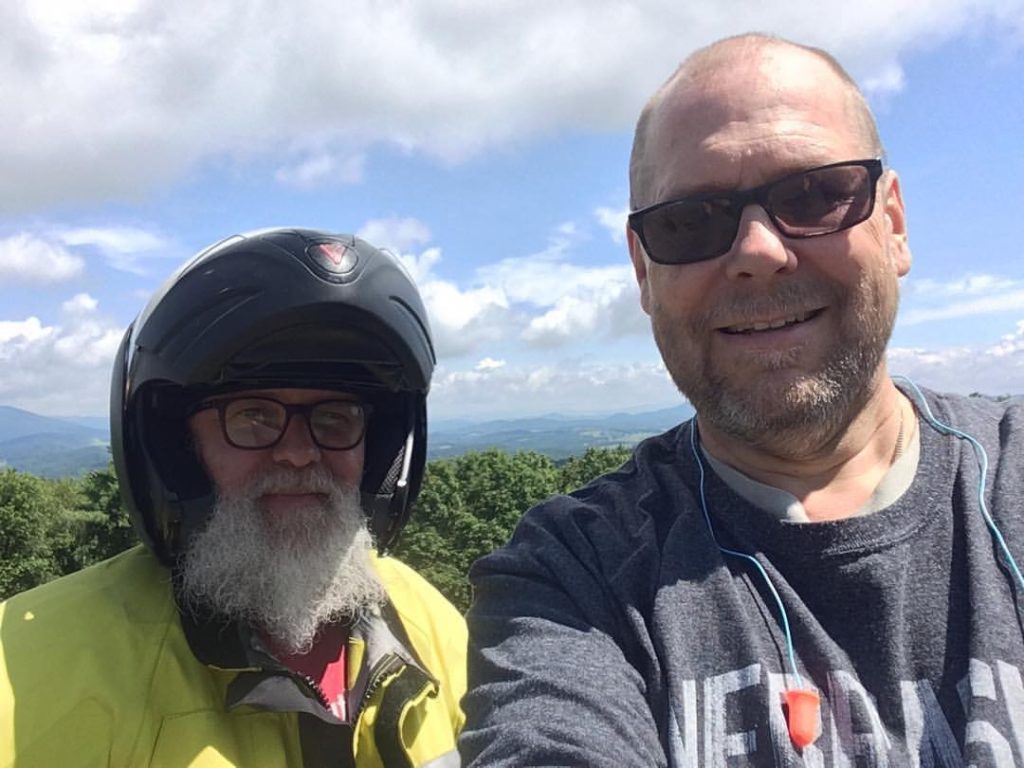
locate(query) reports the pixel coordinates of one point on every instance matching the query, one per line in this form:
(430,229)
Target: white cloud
(968,297)
(124,248)
(614,220)
(542,299)
(567,386)
(18,333)
(885,82)
(322,169)
(968,285)
(79,304)
(489,364)
(464,320)
(461,319)
(109,99)
(542,279)
(26,258)
(37,362)
(1010,344)
(994,369)
(1007,302)
(575,302)
(398,235)
(419,265)
(609,309)
(569,318)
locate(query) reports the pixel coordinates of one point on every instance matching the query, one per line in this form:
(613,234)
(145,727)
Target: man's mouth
(772,324)
(295,496)
(295,492)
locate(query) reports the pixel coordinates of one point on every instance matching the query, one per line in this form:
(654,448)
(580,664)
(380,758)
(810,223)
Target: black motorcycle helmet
(268,309)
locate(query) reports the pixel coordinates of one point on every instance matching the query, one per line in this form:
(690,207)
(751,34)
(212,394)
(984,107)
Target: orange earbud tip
(803,713)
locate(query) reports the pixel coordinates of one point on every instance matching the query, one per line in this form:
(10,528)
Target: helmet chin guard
(271,309)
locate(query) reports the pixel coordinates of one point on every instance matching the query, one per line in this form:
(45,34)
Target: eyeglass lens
(816,202)
(257,422)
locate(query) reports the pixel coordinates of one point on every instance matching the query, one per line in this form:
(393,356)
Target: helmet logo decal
(334,257)
(334,251)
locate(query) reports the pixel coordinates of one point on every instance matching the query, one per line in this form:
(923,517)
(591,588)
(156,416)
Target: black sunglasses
(818,201)
(253,423)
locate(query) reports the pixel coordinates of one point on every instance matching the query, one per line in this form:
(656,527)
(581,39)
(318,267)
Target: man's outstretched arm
(550,682)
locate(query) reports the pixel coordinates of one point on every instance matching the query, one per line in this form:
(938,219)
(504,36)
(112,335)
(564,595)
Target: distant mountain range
(52,447)
(556,435)
(63,447)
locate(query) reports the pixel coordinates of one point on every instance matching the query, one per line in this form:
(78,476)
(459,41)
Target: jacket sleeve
(557,658)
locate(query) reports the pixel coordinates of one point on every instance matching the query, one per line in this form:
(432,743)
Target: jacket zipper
(314,686)
(385,667)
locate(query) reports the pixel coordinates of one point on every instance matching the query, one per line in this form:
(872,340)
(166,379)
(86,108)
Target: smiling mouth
(771,325)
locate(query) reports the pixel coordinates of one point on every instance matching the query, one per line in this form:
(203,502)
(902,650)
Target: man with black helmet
(268,426)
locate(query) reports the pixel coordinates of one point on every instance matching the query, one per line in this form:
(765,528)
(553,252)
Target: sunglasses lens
(690,230)
(816,202)
(822,201)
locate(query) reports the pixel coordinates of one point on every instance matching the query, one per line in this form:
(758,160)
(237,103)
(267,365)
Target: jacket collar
(378,646)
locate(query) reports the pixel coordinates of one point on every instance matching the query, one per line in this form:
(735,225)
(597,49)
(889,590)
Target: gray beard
(290,575)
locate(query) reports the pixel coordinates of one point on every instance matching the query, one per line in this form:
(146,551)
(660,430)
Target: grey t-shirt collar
(785,506)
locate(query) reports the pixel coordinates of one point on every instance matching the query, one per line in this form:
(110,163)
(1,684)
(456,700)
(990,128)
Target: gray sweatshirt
(612,631)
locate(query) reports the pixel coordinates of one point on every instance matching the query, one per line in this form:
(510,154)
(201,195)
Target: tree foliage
(470,504)
(28,519)
(467,506)
(580,470)
(100,527)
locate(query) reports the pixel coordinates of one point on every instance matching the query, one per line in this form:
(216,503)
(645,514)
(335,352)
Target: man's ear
(639,258)
(896,223)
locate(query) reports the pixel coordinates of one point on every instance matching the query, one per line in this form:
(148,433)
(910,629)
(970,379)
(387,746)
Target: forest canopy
(468,506)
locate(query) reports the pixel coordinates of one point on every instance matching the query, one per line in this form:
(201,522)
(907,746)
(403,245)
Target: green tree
(111,531)
(55,527)
(30,520)
(580,470)
(99,525)
(426,544)
(468,506)
(500,486)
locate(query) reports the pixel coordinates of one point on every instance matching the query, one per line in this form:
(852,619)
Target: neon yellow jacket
(96,669)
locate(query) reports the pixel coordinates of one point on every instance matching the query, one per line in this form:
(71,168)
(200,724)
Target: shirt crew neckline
(740,523)
(785,506)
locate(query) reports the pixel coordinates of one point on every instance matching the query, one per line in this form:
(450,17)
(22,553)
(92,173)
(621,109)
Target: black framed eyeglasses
(818,201)
(253,423)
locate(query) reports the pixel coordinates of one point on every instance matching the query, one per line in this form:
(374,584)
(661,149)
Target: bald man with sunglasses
(818,568)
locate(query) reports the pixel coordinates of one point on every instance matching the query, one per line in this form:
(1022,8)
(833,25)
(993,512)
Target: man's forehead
(741,63)
(730,89)
(749,118)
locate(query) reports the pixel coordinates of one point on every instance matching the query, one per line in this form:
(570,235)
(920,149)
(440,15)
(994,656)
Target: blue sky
(486,143)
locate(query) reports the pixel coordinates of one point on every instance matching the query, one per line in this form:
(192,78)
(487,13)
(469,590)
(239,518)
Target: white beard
(290,575)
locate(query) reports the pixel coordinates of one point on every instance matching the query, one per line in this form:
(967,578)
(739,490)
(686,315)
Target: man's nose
(296,446)
(759,250)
